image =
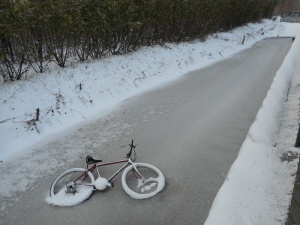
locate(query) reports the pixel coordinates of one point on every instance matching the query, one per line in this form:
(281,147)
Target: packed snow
(101,183)
(67,199)
(257,188)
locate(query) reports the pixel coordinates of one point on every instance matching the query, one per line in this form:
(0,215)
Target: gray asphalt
(191,129)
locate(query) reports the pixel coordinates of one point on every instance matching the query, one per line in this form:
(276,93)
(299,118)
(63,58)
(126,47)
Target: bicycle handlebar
(132,147)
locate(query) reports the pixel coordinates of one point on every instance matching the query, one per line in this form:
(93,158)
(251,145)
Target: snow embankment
(258,186)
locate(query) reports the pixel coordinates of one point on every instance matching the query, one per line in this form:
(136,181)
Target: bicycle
(139,180)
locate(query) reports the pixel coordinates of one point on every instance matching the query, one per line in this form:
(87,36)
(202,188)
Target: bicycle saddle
(91,160)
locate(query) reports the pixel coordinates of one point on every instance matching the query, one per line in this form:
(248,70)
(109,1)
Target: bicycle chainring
(71,187)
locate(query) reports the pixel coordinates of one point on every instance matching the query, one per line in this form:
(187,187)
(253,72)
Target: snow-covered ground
(257,188)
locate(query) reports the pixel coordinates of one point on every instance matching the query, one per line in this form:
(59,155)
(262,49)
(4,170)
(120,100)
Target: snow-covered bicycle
(139,180)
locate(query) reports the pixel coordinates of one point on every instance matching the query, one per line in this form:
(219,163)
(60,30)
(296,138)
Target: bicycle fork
(136,173)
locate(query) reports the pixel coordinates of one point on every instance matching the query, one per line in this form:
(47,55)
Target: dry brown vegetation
(286,6)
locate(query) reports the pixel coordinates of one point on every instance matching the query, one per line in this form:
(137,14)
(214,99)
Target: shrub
(34,32)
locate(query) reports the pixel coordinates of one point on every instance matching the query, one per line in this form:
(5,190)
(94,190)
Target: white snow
(101,183)
(67,199)
(258,185)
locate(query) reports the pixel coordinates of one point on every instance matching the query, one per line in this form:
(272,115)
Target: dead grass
(288,5)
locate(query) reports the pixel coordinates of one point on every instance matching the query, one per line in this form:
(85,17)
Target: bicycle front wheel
(142,180)
(71,187)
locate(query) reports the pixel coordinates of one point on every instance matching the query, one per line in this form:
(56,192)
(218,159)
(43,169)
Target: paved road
(191,129)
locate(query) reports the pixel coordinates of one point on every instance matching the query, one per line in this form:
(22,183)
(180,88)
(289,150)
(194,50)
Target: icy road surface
(191,129)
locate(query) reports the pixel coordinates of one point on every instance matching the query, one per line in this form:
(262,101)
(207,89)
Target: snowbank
(255,190)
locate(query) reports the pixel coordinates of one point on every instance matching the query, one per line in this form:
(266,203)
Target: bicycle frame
(126,161)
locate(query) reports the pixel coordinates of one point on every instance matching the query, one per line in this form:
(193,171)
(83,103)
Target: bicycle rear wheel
(71,187)
(137,187)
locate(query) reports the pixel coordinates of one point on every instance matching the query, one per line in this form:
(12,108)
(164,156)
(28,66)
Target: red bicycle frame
(96,165)
(126,161)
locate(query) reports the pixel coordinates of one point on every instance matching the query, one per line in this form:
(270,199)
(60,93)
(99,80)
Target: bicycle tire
(136,188)
(84,187)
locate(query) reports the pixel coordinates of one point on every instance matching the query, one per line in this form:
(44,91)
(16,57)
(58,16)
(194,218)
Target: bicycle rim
(152,182)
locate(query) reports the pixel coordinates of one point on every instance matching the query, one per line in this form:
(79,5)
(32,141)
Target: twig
(3,121)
